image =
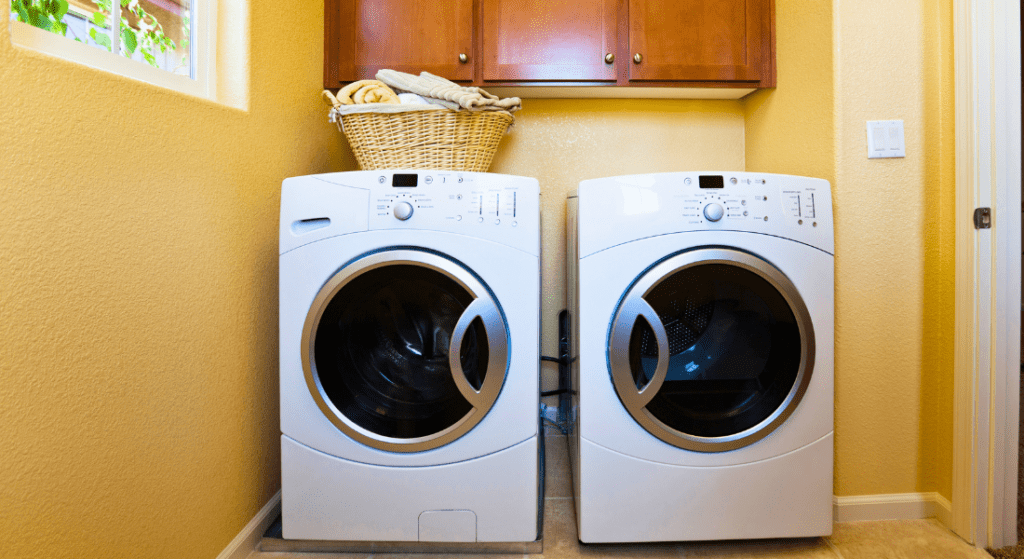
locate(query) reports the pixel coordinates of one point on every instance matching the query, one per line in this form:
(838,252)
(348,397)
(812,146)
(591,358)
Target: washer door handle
(497,352)
(622,331)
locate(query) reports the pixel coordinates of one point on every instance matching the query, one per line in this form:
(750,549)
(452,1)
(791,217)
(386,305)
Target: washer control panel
(430,200)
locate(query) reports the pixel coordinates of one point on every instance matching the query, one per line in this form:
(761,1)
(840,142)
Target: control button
(460,179)
(429,179)
(713,212)
(743,202)
(403,210)
(745,213)
(733,180)
(458,196)
(458,218)
(497,222)
(799,222)
(480,219)
(381,180)
(687,181)
(514,224)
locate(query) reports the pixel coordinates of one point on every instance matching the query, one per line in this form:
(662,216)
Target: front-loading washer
(409,343)
(701,311)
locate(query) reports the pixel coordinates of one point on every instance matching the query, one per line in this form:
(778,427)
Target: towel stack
(450,95)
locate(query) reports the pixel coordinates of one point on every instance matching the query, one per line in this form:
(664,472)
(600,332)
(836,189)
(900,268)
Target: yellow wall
(138,281)
(841,65)
(894,239)
(138,285)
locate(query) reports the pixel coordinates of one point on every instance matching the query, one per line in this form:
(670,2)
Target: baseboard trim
(245,542)
(894,506)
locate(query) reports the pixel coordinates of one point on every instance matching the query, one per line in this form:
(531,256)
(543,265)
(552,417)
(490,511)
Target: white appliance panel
(340,500)
(500,208)
(603,418)
(626,499)
(506,424)
(618,210)
(631,486)
(336,488)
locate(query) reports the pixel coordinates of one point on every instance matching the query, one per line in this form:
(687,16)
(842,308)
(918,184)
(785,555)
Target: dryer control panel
(502,208)
(636,206)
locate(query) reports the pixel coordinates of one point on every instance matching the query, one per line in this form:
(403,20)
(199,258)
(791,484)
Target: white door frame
(988,292)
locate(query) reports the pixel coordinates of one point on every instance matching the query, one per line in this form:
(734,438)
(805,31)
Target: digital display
(410,179)
(711,181)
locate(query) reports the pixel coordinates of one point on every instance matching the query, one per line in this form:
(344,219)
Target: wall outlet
(885,139)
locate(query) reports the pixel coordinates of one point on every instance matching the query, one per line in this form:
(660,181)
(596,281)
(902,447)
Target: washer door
(711,350)
(404,350)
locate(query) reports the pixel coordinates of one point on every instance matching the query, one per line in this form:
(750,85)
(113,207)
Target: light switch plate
(885,139)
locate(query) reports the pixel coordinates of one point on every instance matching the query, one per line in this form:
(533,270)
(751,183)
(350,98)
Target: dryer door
(404,350)
(711,350)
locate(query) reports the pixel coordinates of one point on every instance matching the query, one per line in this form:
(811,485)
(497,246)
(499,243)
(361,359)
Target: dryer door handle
(497,353)
(622,332)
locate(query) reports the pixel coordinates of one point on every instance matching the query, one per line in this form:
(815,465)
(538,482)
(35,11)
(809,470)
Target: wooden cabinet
(701,40)
(549,40)
(626,43)
(363,36)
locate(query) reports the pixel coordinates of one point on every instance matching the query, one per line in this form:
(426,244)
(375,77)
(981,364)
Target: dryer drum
(733,353)
(379,346)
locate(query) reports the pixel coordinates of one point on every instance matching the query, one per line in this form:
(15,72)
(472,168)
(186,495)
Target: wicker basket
(441,139)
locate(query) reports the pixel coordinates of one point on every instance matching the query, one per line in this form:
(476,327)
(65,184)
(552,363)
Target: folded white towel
(411,99)
(449,94)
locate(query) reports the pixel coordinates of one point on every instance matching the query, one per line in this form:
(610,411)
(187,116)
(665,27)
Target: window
(157,41)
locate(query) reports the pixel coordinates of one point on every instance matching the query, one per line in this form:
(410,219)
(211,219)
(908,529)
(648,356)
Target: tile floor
(895,539)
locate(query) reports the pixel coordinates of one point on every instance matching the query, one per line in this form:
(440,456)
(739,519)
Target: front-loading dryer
(701,307)
(409,342)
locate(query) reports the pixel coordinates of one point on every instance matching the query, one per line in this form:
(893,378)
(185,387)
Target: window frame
(202,45)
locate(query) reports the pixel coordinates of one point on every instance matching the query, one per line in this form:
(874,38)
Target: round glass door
(404,350)
(711,350)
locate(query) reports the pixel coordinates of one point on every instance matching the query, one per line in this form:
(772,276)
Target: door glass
(734,348)
(381,351)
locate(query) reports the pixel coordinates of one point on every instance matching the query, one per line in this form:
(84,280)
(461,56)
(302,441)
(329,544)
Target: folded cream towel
(443,92)
(366,91)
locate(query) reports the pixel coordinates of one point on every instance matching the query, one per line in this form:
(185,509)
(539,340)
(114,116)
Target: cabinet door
(363,36)
(701,40)
(549,40)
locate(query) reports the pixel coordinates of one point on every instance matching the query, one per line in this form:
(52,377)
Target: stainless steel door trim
(497,352)
(496,370)
(625,321)
(619,354)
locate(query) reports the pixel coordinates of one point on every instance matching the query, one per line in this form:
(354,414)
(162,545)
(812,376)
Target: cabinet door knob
(464,59)
(609,58)
(637,58)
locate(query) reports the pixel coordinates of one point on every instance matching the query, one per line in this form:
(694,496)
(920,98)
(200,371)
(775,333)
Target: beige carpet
(1015,552)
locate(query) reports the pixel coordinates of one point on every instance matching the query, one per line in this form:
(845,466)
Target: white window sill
(27,36)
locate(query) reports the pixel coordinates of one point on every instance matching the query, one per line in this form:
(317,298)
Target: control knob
(712,211)
(403,210)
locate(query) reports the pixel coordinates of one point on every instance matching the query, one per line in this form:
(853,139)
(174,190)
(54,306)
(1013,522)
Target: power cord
(552,392)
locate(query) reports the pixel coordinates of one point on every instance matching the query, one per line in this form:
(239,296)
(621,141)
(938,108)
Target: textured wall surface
(894,246)
(842,64)
(139,268)
(562,142)
(138,304)
(789,129)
